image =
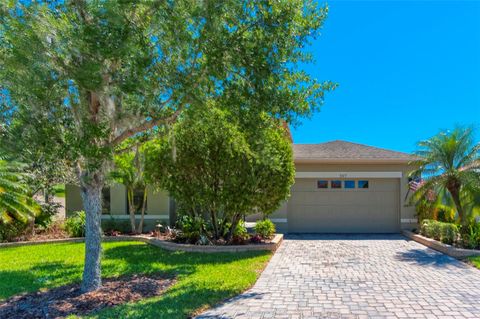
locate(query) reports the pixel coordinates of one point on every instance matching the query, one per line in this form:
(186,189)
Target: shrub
(192,229)
(240,234)
(47,211)
(425,229)
(12,230)
(449,233)
(436,230)
(265,228)
(111,226)
(445,232)
(471,236)
(75,225)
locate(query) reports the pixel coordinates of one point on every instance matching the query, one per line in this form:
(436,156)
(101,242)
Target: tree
(215,166)
(104,71)
(450,161)
(129,171)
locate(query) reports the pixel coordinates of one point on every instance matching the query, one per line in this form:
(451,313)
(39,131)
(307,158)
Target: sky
(405,69)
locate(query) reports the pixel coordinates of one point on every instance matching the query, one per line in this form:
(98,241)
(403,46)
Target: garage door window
(322,184)
(362,184)
(349,184)
(336,184)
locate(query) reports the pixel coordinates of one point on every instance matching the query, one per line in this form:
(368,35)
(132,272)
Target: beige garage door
(359,206)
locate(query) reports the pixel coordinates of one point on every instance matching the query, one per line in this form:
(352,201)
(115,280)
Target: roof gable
(342,151)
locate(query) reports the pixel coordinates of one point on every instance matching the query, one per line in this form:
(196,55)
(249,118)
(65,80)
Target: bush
(47,211)
(471,236)
(240,234)
(192,228)
(75,225)
(265,229)
(449,233)
(12,230)
(111,226)
(445,232)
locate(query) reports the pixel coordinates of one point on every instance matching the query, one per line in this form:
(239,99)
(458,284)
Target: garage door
(344,206)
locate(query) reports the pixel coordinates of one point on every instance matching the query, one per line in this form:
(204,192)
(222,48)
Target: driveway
(358,276)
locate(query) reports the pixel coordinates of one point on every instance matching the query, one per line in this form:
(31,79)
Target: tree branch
(144,127)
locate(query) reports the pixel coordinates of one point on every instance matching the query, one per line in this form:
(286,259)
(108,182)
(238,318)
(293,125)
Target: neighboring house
(340,187)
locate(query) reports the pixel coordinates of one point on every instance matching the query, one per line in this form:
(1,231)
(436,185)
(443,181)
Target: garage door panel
(372,210)
(343,198)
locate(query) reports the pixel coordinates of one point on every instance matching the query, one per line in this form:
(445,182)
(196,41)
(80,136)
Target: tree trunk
(91,190)
(213,217)
(455,192)
(235,221)
(144,205)
(131,208)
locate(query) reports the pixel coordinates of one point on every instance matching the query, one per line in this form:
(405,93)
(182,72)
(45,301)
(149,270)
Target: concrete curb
(272,246)
(449,250)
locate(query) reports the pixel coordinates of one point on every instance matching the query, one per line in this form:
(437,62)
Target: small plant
(256,239)
(449,233)
(75,225)
(12,230)
(265,229)
(471,236)
(192,228)
(46,214)
(112,226)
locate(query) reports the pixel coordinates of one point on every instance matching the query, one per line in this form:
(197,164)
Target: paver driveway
(358,276)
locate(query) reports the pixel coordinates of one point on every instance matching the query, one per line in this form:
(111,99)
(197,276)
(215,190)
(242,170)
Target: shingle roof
(346,151)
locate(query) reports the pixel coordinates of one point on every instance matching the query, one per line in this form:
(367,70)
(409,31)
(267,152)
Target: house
(340,187)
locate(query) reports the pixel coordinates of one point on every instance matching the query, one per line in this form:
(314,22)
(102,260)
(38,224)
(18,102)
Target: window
(336,184)
(106,200)
(362,184)
(349,184)
(322,184)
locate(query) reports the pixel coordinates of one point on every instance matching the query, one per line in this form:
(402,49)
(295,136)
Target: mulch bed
(67,300)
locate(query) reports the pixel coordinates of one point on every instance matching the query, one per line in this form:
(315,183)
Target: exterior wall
(118,199)
(73,199)
(158,205)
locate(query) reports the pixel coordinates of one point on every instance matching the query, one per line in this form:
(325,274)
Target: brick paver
(358,276)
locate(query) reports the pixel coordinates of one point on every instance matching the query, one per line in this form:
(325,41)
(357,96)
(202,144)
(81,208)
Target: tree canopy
(215,166)
(99,72)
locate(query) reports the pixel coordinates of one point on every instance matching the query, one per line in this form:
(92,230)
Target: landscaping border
(168,245)
(441,247)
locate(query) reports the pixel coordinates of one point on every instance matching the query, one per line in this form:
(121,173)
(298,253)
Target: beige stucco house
(340,187)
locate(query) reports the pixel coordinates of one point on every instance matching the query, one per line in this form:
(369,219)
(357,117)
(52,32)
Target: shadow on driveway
(429,257)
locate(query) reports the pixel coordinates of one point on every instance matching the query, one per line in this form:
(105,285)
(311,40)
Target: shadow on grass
(201,283)
(426,257)
(42,275)
(181,301)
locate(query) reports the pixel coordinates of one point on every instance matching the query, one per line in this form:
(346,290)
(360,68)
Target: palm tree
(15,202)
(129,171)
(450,161)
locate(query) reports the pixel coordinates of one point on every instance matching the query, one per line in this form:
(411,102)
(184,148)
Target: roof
(347,152)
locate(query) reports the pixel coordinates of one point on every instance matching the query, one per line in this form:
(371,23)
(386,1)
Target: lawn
(475,261)
(203,279)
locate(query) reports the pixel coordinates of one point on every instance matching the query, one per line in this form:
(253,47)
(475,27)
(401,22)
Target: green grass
(59,190)
(475,261)
(203,279)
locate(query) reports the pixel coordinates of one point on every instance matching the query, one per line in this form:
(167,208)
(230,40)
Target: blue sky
(406,69)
